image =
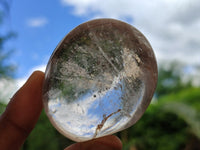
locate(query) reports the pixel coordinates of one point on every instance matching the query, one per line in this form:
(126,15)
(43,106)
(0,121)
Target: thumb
(104,143)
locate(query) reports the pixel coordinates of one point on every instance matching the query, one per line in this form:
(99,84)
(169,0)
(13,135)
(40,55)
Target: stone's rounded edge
(151,61)
(150,66)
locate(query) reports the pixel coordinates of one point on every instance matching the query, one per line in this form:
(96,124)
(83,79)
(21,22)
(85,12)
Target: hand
(23,112)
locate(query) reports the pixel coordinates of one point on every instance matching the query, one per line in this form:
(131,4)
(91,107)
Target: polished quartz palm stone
(99,80)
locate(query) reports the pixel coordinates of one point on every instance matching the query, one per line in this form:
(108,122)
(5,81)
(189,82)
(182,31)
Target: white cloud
(9,86)
(171,26)
(7,89)
(37,22)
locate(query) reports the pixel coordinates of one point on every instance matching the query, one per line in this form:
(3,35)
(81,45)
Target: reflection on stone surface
(99,80)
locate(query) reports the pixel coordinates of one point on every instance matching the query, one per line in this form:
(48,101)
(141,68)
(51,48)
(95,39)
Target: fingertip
(33,86)
(35,77)
(38,73)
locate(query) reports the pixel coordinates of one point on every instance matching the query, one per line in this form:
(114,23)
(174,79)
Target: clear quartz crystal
(99,80)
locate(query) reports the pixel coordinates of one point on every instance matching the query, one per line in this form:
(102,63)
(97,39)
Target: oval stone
(99,80)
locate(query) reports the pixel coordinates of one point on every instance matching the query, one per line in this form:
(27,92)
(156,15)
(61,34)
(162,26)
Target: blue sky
(40,26)
(171,26)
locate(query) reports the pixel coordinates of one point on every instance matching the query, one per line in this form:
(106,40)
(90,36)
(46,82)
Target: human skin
(22,114)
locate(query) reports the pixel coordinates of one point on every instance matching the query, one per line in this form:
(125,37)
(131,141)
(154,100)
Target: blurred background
(30,31)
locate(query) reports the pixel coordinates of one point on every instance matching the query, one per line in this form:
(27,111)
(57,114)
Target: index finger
(22,113)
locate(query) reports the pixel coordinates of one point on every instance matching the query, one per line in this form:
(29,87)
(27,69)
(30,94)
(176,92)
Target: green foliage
(185,104)
(2,108)
(157,130)
(6,69)
(187,113)
(189,96)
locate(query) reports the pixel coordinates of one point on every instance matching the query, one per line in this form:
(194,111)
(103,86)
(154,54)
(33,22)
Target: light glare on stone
(99,80)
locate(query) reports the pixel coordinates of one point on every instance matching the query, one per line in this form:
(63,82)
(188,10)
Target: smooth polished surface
(99,80)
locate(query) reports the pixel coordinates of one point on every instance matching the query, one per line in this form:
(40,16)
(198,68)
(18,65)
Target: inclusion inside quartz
(99,80)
